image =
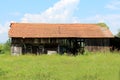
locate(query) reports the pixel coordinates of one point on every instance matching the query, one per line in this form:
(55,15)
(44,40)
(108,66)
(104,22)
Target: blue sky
(59,11)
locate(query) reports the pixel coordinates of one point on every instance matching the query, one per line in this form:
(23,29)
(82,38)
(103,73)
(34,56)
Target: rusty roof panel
(32,30)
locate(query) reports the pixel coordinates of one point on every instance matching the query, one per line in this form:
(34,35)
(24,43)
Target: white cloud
(111,20)
(114,5)
(4,32)
(4,28)
(60,12)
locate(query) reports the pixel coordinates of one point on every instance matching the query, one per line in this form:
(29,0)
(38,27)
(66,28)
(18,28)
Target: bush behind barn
(5,47)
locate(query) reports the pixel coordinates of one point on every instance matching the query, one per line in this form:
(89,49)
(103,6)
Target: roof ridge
(56,23)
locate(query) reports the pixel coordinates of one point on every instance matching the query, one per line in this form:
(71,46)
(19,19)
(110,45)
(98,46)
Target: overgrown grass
(100,66)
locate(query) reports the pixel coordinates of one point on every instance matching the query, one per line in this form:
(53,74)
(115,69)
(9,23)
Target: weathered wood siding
(33,45)
(97,44)
(16,49)
(62,45)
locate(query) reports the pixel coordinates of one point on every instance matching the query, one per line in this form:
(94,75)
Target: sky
(59,11)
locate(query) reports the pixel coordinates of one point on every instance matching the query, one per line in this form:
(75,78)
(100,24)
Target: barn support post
(23,46)
(58,48)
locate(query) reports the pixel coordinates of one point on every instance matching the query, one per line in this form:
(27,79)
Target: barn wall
(68,45)
(16,49)
(97,44)
(33,45)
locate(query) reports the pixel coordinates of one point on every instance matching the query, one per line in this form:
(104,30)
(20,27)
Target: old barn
(58,38)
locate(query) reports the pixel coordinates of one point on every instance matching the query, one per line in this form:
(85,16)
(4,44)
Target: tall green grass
(100,66)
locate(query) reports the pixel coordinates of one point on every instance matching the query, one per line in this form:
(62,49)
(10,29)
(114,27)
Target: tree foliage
(1,48)
(118,34)
(5,47)
(103,25)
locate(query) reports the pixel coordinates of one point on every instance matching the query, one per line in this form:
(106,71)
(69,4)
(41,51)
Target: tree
(118,34)
(103,25)
(1,49)
(7,46)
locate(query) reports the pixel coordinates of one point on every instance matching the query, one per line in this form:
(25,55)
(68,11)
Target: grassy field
(100,66)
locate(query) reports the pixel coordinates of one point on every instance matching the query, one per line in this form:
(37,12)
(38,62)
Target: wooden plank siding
(34,45)
(97,44)
(16,49)
(60,45)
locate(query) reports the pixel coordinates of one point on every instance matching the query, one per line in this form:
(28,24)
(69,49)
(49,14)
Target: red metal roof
(33,30)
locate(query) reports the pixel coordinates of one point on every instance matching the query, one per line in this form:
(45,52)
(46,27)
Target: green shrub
(5,48)
(1,49)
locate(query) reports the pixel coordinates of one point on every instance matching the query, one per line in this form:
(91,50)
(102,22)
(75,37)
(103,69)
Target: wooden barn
(58,38)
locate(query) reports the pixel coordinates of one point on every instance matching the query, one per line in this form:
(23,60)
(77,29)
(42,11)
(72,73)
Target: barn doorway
(51,48)
(35,49)
(78,46)
(38,49)
(81,45)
